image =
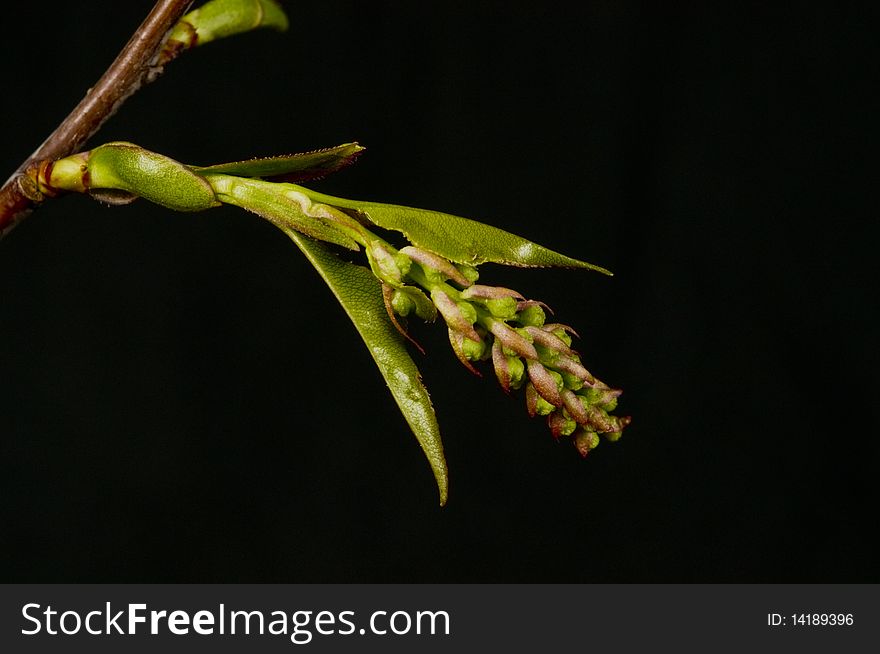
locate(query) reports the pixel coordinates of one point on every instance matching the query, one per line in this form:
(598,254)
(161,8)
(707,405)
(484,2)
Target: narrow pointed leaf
(298,167)
(461,240)
(360,294)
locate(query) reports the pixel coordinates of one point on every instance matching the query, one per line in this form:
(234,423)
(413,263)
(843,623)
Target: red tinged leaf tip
(441,265)
(531,400)
(572,367)
(602,422)
(544,383)
(387,293)
(456,340)
(550,341)
(453,316)
(556,421)
(575,407)
(585,441)
(551,327)
(510,339)
(481,292)
(525,304)
(502,367)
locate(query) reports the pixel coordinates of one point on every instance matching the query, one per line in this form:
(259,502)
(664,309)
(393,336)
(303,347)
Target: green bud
(517,371)
(543,407)
(469,272)
(403,263)
(425,309)
(563,335)
(533,316)
(402,303)
(474,351)
(503,307)
(127,167)
(384,264)
(613,436)
(468,311)
(591,395)
(571,381)
(569,426)
(560,384)
(433,277)
(410,298)
(610,405)
(221,18)
(585,441)
(547,356)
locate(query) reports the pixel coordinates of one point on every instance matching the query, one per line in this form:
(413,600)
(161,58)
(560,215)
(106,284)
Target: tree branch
(139,63)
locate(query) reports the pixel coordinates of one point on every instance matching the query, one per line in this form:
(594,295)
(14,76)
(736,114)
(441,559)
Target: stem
(138,63)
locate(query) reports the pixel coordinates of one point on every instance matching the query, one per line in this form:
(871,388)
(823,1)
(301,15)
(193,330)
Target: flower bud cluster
(499,324)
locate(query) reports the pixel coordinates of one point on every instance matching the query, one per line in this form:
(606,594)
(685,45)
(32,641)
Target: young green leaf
(284,206)
(297,167)
(460,240)
(360,294)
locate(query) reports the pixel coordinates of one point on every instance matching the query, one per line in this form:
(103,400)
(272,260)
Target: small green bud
(468,272)
(568,427)
(563,335)
(602,396)
(543,407)
(560,384)
(547,356)
(433,277)
(533,315)
(402,303)
(613,436)
(474,351)
(468,311)
(221,18)
(517,371)
(585,441)
(403,263)
(425,309)
(504,307)
(571,381)
(384,264)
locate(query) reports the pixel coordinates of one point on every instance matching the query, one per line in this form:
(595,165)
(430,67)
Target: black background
(183,400)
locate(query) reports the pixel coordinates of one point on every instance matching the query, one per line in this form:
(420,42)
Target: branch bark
(139,63)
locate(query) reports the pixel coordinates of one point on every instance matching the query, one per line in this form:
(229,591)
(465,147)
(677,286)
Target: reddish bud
(502,369)
(482,292)
(549,340)
(457,342)
(511,340)
(544,383)
(441,265)
(453,316)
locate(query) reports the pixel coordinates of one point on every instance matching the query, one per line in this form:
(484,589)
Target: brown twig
(138,63)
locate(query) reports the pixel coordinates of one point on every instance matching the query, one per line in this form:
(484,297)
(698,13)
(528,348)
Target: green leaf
(297,167)
(460,240)
(285,206)
(360,294)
